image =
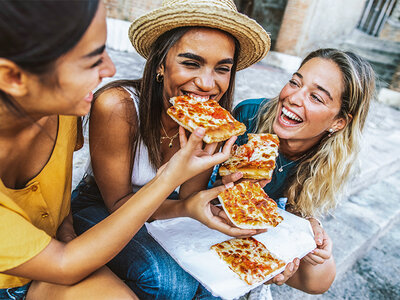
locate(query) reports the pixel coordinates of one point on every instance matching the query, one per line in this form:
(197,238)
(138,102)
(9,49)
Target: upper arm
(112,125)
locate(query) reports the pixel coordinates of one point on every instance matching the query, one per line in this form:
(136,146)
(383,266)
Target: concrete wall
(308,24)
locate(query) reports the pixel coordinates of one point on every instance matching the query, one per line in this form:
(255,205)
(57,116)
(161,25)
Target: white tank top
(142,171)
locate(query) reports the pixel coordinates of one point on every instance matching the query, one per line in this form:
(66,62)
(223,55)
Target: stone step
(359,224)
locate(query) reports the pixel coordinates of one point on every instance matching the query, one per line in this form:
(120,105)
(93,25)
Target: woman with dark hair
(52,55)
(194,48)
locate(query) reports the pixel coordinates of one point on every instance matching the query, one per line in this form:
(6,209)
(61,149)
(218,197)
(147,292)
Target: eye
(190,63)
(97,63)
(316,98)
(293,83)
(223,69)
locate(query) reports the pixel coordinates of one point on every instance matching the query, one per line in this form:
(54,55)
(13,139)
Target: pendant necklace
(280,169)
(171,138)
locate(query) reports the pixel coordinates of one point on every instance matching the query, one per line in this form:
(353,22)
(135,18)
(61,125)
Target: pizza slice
(249,207)
(248,258)
(256,159)
(191,113)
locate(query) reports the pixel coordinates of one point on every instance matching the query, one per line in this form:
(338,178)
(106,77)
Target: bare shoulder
(114,102)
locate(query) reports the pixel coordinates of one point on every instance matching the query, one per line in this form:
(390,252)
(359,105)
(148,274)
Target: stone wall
(309,24)
(129,9)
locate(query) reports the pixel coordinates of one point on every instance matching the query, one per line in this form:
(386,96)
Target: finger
(226,150)
(308,260)
(182,137)
(208,195)
(232,177)
(324,254)
(264,182)
(314,259)
(210,148)
(219,224)
(195,139)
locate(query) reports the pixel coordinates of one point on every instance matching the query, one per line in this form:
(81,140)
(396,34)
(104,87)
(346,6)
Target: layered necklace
(280,169)
(171,138)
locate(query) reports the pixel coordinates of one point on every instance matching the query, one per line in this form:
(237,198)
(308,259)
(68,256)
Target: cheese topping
(249,207)
(248,258)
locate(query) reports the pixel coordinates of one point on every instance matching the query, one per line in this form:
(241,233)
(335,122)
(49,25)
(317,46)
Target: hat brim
(253,39)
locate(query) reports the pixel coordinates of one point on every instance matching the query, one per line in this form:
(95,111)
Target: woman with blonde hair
(318,116)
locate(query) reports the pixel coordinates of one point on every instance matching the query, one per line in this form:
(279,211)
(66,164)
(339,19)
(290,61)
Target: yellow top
(29,217)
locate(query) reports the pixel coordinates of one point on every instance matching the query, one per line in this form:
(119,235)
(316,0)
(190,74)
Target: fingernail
(200,131)
(291,267)
(229,185)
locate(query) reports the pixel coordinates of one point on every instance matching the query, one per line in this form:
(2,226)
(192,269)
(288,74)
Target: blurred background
(370,28)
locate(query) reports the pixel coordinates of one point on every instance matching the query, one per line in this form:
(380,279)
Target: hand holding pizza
(192,158)
(323,252)
(289,271)
(199,207)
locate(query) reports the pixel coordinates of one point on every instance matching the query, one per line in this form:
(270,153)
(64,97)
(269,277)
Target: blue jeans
(143,264)
(17,293)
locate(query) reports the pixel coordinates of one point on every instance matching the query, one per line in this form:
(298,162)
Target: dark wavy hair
(33,34)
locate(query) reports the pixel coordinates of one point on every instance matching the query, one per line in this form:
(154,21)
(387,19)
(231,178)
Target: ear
(12,79)
(160,69)
(338,124)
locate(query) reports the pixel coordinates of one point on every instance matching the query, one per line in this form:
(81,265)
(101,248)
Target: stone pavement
(365,227)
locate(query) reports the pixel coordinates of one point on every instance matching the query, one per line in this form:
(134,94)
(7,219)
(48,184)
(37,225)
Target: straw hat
(221,14)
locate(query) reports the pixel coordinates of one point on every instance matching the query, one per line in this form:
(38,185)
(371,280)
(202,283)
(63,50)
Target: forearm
(103,241)
(314,279)
(169,209)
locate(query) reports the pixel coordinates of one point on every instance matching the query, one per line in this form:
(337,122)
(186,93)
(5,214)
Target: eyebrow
(95,52)
(201,59)
(318,86)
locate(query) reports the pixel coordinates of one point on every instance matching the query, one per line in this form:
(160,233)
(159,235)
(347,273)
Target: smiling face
(199,64)
(309,104)
(77,73)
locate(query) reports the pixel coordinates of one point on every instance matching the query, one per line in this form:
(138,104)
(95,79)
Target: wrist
(317,220)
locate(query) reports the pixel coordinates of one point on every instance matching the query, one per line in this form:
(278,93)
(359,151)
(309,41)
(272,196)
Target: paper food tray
(188,242)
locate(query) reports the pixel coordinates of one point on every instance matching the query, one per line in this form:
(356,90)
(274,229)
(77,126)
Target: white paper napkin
(188,242)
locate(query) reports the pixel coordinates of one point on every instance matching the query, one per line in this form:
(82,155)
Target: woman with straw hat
(192,47)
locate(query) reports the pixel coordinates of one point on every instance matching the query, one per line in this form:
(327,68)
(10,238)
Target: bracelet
(319,222)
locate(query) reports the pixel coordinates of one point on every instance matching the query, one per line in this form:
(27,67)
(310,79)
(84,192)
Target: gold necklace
(171,139)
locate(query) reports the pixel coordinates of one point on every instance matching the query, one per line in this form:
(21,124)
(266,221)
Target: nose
(107,67)
(296,98)
(205,81)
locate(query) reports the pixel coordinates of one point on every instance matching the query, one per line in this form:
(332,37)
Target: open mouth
(198,97)
(289,117)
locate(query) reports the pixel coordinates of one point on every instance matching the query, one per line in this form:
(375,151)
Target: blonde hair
(313,190)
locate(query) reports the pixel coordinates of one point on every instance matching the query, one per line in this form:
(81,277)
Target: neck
(11,123)
(293,149)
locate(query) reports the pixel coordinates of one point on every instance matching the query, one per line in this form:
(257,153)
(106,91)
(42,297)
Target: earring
(331,131)
(159,77)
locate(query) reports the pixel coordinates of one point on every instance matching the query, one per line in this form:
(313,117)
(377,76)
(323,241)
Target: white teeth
(291,115)
(199,98)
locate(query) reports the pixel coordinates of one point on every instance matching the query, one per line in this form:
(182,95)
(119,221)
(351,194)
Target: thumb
(214,192)
(195,139)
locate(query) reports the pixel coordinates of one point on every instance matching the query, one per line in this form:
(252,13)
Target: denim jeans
(17,293)
(143,264)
